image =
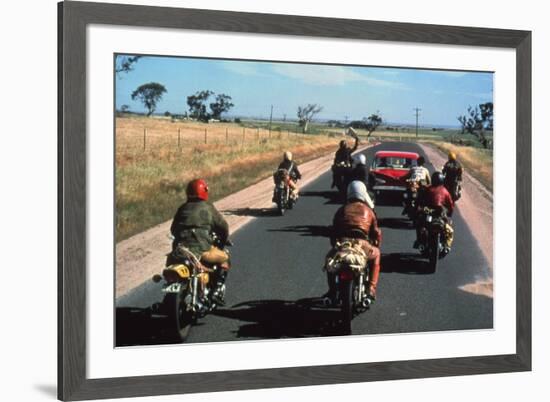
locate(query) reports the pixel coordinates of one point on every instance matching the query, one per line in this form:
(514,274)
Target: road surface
(274,287)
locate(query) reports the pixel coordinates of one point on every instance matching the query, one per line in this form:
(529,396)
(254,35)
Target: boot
(371,292)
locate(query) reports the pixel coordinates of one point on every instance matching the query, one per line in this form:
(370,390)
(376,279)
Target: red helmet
(197,189)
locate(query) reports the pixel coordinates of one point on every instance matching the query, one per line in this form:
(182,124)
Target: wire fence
(176,136)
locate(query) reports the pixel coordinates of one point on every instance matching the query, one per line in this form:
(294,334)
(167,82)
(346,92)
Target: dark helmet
(197,189)
(420,161)
(437,178)
(343,144)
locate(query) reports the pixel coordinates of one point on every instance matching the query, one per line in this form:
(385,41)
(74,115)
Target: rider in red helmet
(196,225)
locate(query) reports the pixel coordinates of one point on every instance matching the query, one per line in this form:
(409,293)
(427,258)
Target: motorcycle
(348,269)
(432,236)
(282,195)
(340,174)
(410,197)
(189,289)
(455,189)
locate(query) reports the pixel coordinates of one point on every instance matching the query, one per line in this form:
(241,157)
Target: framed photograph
(256,201)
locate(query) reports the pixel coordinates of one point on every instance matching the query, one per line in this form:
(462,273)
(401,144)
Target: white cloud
(330,75)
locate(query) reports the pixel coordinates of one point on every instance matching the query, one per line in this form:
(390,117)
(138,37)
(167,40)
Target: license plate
(172,288)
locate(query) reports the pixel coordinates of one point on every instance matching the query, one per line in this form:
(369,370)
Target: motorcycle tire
(180,319)
(346,312)
(434,253)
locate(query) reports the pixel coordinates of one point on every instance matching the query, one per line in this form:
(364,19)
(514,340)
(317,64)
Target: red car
(388,168)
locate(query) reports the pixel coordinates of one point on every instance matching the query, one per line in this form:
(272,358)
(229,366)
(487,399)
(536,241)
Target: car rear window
(394,162)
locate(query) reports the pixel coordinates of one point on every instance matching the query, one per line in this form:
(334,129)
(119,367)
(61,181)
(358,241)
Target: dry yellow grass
(162,133)
(478,161)
(150,183)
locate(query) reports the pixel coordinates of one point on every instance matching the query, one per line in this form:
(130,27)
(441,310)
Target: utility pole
(284,118)
(346,120)
(270,119)
(417,110)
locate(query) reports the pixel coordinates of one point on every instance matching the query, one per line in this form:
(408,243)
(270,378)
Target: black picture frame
(73,18)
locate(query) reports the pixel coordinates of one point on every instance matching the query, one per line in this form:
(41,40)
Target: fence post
(244,133)
(144,138)
(179,137)
(205,135)
(258,134)
(226,135)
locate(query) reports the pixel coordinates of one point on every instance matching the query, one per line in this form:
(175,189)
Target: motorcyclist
(193,227)
(453,175)
(294,174)
(436,197)
(417,176)
(357,220)
(360,171)
(343,158)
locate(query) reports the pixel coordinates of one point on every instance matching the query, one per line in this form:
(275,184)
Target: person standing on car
(193,227)
(453,175)
(357,221)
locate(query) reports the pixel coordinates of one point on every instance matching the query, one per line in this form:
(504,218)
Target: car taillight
(345,275)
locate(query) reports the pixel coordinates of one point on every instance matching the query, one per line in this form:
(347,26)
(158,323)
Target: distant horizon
(345,92)
(279,119)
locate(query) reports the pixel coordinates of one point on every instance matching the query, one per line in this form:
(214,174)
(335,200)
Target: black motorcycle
(410,198)
(432,236)
(340,176)
(455,189)
(282,193)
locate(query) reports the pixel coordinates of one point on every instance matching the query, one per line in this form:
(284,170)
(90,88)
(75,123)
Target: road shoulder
(476,208)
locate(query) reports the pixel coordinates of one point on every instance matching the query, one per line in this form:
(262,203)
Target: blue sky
(350,91)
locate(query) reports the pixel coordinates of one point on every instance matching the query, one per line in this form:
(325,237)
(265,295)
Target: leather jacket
(436,196)
(356,216)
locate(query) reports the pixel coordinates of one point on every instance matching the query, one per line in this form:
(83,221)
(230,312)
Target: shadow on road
(255,212)
(332,197)
(306,230)
(141,326)
(395,223)
(275,319)
(404,263)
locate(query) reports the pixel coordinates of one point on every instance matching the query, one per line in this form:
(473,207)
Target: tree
(197,105)
(372,122)
(306,113)
(125,64)
(478,120)
(149,94)
(222,105)
(124,108)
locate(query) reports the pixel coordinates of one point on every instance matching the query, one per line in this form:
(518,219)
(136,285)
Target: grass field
(151,180)
(476,161)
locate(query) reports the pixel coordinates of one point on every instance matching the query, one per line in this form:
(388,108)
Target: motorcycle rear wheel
(346,312)
(434,252)
(180,319)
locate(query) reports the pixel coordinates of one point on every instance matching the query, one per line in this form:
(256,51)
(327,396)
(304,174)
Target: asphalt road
(274,287)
